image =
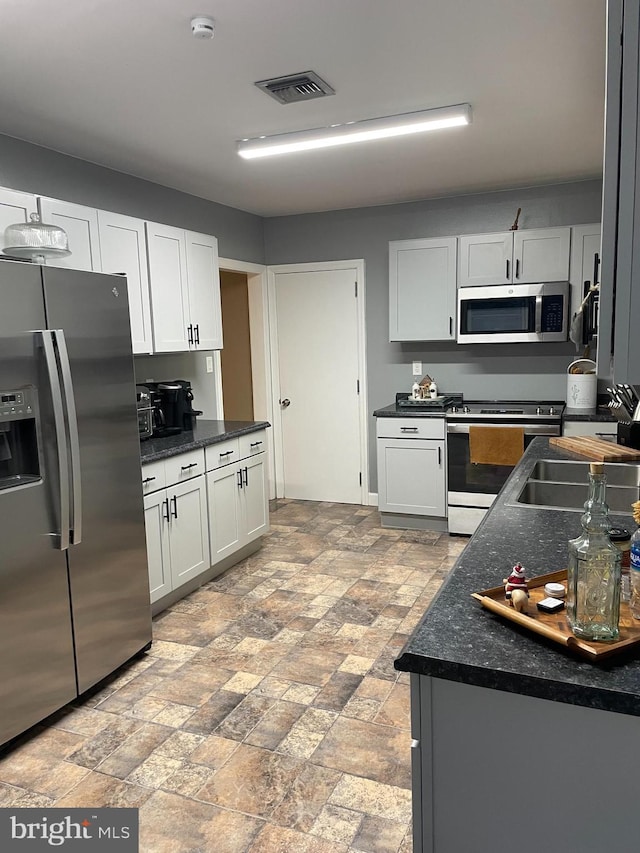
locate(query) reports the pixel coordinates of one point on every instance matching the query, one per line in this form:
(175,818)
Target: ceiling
(124,84)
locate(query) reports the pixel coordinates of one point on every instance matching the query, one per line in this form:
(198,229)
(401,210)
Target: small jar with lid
(621,538)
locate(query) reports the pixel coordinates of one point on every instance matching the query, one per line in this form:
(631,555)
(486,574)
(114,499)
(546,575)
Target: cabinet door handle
(596,264)
(190,333)
(240,478)
(246,476)
(174,501)
(508,269)
(517,267)
(255,443)
(165,504)
(408,429)
(196,331)
(450,326)
(187,467)
(439,456)
(226,453)
(148,480)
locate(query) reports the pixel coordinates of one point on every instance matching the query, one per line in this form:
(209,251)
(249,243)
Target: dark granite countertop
(205,433)
(459,640)
(601,413)
(395,411)
(596,415)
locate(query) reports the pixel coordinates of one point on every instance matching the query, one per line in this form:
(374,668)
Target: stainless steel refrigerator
(74,589)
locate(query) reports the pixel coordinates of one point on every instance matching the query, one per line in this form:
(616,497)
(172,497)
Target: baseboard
(373,499)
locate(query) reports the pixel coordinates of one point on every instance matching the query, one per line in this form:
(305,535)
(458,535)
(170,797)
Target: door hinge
(356,289)
(360,477)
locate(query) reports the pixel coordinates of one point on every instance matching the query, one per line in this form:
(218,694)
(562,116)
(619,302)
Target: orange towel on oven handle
(495,445)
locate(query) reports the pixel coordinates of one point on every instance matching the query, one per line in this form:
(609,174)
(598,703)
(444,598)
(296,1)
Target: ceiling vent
(296,87)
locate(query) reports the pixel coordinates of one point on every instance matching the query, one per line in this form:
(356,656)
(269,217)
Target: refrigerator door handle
(61,442)
(74,440)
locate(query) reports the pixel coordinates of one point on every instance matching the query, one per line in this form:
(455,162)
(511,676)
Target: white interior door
(320,364)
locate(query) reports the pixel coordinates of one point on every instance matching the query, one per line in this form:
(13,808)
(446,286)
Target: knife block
(629,434)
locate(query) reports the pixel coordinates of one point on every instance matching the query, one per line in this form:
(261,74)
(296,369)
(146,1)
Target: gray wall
(508,371)
(28,167)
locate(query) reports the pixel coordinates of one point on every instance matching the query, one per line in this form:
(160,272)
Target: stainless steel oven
(472,487)
(513,313)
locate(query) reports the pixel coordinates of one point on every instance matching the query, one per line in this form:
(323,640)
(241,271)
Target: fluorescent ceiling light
(355,131)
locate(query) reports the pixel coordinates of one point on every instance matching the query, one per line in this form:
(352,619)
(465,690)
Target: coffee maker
(173,407)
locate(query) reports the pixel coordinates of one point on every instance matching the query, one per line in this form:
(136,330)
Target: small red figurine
(516,588)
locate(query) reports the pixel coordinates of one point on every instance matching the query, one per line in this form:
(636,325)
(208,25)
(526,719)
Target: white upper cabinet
(485,259)
(585,261)
(14,207)
(422,289)
(185,289)
(167,251)
(514,257)
(81,225)
(203,279)
(541,254)
(123,249)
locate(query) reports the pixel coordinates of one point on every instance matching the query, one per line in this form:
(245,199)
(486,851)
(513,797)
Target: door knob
(284,403)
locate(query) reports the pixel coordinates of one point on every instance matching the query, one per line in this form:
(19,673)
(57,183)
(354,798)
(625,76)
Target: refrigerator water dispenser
(19,462)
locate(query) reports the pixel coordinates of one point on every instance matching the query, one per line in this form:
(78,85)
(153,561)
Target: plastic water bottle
(634,570)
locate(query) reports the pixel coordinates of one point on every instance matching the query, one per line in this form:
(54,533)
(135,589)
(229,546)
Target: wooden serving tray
(596,448)
(554,626)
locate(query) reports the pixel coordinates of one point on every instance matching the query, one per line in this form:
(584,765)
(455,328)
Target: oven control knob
(453,409)
(538,410)
(466,410)
(552,410)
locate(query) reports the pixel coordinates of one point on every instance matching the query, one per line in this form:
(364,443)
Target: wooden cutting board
(596,448)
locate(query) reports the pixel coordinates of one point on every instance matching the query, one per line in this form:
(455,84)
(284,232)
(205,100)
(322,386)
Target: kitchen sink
(553,484)
(554,471)
(572,496)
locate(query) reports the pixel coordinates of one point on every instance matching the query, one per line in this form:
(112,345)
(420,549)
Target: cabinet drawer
(223,453)
(255,442)
(153,477)
(607,430)
(410,427)
(184,466)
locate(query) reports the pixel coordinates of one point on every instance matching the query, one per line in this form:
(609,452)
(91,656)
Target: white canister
(582,388)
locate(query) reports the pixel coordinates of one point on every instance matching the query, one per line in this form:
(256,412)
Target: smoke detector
(202,27)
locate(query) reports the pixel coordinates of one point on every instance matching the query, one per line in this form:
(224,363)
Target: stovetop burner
(502,410)
(456,408)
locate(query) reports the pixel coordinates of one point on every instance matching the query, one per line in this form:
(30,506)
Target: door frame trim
(261,372)
(358,266)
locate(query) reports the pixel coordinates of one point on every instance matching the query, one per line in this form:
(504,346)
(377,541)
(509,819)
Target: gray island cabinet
(517,743)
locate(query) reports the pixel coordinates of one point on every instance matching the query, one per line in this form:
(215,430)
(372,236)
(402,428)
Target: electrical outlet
(417,368)
(209,364)
(150,380)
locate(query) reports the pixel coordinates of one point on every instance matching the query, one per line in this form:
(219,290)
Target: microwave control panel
(552,313)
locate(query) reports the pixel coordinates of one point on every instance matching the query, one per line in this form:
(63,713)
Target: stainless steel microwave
(513,313)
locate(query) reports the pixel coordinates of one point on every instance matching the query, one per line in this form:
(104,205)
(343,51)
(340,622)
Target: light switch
(417,368)
(209,364)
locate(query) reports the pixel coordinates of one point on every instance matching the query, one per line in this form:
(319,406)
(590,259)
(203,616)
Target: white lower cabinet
(412,466)
(176,522)
(238,505)
(607,430)
(196,521)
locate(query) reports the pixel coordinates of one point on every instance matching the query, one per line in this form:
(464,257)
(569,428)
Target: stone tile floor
(267,715)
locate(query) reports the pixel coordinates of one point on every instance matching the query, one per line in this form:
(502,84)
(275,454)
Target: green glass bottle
(593,580)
